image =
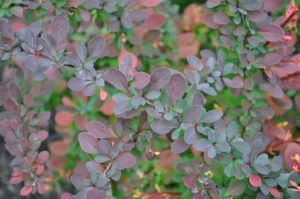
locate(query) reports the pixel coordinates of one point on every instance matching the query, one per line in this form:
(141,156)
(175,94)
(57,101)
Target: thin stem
(290,61)
(108,167)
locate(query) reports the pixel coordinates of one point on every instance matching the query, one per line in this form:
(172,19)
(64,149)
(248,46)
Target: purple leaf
(162,126)
(195,62)
(209,21)
(179,146)
(160,78)
(104,146)
(176,87)
(202,145)
(60,28)
(141,80)
(75,3)
(190,135)
(88,143)
(272,32)
(121,107)
(93,167)
(251,5)
(99,130)
(78,181)
(138,15)
(117,79)
(273,90)
(213,3)
(258,16)
(17,11)
(235,82)
(212,116)
(96,46)
(221,18)
(236,188)
(126,160)
(125,65)
(76,84)
(89,90)
(81,51)
(271,59)
(192,114)
(95,194)
(198,99)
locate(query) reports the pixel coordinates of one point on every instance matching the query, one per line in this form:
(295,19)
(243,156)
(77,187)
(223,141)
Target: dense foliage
(113,97)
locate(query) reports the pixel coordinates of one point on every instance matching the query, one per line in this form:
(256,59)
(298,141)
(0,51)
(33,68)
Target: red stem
(286,21)
(290,61)
(279,144)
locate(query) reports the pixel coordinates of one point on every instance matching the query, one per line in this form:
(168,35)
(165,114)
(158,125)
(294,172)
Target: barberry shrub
(146,99)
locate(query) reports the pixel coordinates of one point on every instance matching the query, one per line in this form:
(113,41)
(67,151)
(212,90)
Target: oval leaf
(176,87)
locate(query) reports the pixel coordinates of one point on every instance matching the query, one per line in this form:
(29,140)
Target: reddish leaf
(272,130)
(16,180)
(291,7)
(66,196)
(154,21)
(59,148)
(66,101)
(290,150)
(42,157)
(150,3)
(26,190)
(107,107)
(64,118)
(41,188)
(274,192)
(56,163)
(166,160)
(190,181)
(81,122)
(255,180)
(103,94)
